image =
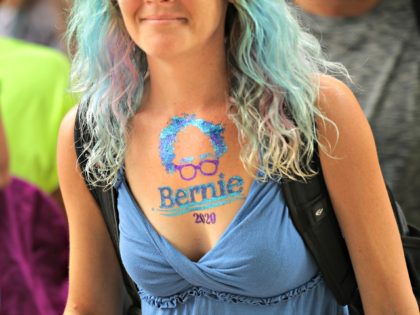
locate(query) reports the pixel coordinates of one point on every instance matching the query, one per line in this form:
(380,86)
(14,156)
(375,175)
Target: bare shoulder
(348,139)
(338,103)
(66,131)
(66,155)
(349,131)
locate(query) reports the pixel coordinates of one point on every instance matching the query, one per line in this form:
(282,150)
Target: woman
(196,108)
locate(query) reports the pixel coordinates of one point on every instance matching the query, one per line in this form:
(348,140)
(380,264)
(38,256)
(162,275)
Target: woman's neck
(187,84)
(337,8)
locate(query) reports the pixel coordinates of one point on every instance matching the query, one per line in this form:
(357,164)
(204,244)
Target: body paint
(197,197)
(167,145)
(200,197)
(205,218)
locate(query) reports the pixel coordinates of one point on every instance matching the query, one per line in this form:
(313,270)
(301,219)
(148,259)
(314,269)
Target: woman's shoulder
(66,130)
(344,129)
(338,104)
(336,99)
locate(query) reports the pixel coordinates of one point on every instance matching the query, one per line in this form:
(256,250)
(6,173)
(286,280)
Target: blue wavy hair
(273,67)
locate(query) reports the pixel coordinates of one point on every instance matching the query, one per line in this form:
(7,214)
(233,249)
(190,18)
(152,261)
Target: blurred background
(377,40)
(34,97)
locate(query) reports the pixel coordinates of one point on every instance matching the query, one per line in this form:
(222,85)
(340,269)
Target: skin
(354,181)
(337,8)
(361,203)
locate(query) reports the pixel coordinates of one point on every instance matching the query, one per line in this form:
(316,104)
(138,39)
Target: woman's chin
(164,52)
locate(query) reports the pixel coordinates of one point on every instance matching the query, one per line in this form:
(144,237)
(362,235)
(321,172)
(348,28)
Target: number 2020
(205,218)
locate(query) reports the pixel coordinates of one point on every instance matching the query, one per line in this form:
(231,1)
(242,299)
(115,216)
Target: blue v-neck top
(260,264)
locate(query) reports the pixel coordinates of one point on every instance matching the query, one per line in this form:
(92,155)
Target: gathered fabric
(260,264)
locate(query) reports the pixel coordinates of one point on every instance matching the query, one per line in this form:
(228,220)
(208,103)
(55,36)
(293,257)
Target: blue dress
(260,265)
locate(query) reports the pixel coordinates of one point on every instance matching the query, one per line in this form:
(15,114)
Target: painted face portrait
(201,196)
(188,167)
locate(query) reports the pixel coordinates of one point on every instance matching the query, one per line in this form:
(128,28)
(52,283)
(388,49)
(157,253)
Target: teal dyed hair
(273,67)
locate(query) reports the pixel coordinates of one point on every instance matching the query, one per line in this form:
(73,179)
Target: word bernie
(200,197)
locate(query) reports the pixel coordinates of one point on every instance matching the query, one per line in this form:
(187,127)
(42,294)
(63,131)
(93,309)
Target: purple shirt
(33,252)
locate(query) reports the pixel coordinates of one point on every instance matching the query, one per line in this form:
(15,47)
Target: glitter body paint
(179,123)
(200,197)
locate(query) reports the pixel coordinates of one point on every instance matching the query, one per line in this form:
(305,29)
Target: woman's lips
(163,19)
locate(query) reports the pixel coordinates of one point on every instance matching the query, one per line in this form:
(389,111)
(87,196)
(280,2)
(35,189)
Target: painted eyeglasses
(189,171)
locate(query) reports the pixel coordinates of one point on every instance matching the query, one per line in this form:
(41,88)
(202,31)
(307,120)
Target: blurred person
(378,41)
(37,21)
(33,100)
(34,247)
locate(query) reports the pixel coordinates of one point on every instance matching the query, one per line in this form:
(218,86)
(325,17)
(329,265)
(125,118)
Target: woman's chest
(188,180)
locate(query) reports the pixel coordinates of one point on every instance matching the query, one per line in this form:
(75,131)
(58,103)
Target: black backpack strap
(416,7)
(107,202)
(314,218)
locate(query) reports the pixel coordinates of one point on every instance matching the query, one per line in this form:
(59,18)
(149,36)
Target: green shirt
(34,97)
